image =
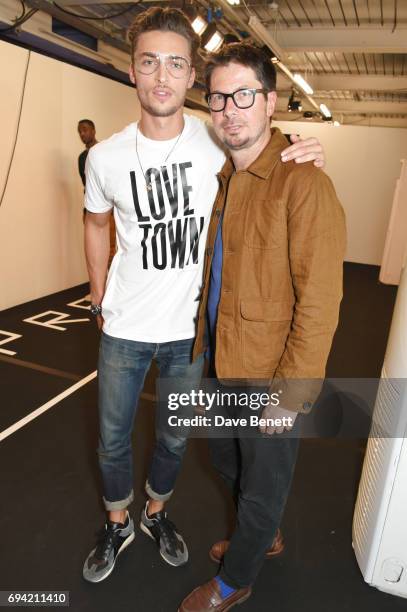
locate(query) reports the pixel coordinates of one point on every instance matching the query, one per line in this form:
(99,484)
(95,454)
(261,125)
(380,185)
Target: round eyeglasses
(176,65)
(242,98)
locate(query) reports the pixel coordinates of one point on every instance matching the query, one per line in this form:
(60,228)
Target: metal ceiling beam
(351,82)
(369,121)
(82,25)
(265,36)
(350,106)
(358,82)
(342,40)
(68,3)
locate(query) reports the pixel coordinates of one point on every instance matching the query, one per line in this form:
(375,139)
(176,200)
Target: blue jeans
(123,365)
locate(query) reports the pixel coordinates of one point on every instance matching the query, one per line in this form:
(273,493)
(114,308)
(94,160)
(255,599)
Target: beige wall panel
(41,229)
(364,164)
(13,61)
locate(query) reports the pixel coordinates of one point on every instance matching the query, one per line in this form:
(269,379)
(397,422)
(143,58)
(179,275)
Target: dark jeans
(123,365)
(258,471)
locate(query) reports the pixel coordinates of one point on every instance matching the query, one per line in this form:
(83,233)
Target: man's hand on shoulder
(306,150)
(278,420)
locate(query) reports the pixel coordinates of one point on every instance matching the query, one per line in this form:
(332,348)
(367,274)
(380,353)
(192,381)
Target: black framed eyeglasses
(242,98)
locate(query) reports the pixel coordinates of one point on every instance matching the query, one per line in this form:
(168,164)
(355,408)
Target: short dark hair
(89,121)
(165,20)
(246,55)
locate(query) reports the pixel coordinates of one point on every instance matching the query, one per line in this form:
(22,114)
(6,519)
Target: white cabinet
(395,248)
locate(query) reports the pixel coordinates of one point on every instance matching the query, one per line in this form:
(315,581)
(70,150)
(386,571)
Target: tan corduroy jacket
(284,240)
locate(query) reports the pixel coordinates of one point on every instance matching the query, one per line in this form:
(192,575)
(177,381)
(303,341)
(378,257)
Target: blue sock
(225,589)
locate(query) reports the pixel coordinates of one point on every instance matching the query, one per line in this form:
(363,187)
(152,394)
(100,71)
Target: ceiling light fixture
(325,111)
(293,104)
(214,43)
(208,33)
(303,84)
(199,25)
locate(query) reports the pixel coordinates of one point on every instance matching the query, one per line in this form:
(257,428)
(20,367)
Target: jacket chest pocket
(265,224)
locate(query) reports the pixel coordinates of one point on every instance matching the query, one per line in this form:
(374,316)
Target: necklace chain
(149,185)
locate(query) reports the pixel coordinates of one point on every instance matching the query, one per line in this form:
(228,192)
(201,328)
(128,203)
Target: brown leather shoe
(218,550)
(207,598)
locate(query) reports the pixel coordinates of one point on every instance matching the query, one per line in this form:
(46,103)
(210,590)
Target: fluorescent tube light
(214,43)
(325,110)
(199,25)
(303,84)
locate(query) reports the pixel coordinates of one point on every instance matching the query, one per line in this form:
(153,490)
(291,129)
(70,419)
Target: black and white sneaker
(171,544)
(112,540)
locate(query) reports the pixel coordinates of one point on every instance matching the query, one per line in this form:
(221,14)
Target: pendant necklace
(149,185)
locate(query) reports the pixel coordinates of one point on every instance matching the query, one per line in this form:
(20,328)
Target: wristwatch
(95,309)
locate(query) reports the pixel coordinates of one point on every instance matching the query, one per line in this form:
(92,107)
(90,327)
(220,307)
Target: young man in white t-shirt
(160,177)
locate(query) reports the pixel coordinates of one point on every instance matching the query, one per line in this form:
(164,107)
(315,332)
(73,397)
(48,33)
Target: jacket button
(217,213)
(209,251)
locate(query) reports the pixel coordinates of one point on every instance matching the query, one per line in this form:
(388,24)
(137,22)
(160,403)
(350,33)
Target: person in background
(87,133)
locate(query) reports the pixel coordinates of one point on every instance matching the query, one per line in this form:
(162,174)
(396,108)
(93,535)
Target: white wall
(364,164)
(41,230)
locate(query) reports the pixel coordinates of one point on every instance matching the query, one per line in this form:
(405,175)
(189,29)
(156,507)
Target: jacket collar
(264,164)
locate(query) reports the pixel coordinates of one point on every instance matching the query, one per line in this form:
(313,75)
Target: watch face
(95,309)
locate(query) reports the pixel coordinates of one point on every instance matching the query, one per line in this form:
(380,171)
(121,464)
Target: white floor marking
(55,400)
(79,303)
(10,338)
(60,317)
(52,402)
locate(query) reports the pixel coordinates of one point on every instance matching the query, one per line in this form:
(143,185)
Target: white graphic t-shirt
(155,277)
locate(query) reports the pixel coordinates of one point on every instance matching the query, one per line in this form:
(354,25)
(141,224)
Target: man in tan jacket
(270,303)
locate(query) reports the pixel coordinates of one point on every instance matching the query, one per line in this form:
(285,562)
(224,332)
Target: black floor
(50,489)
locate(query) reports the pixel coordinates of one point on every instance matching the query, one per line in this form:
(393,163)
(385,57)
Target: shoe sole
(145,530)
(125,544)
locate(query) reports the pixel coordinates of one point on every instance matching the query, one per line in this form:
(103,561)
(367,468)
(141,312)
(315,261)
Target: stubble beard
(159,111)
(236,146)
(245,143)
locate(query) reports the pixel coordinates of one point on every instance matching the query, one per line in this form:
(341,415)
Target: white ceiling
(352,52)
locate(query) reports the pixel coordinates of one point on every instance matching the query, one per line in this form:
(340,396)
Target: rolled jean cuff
(121,504)
(157,496)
